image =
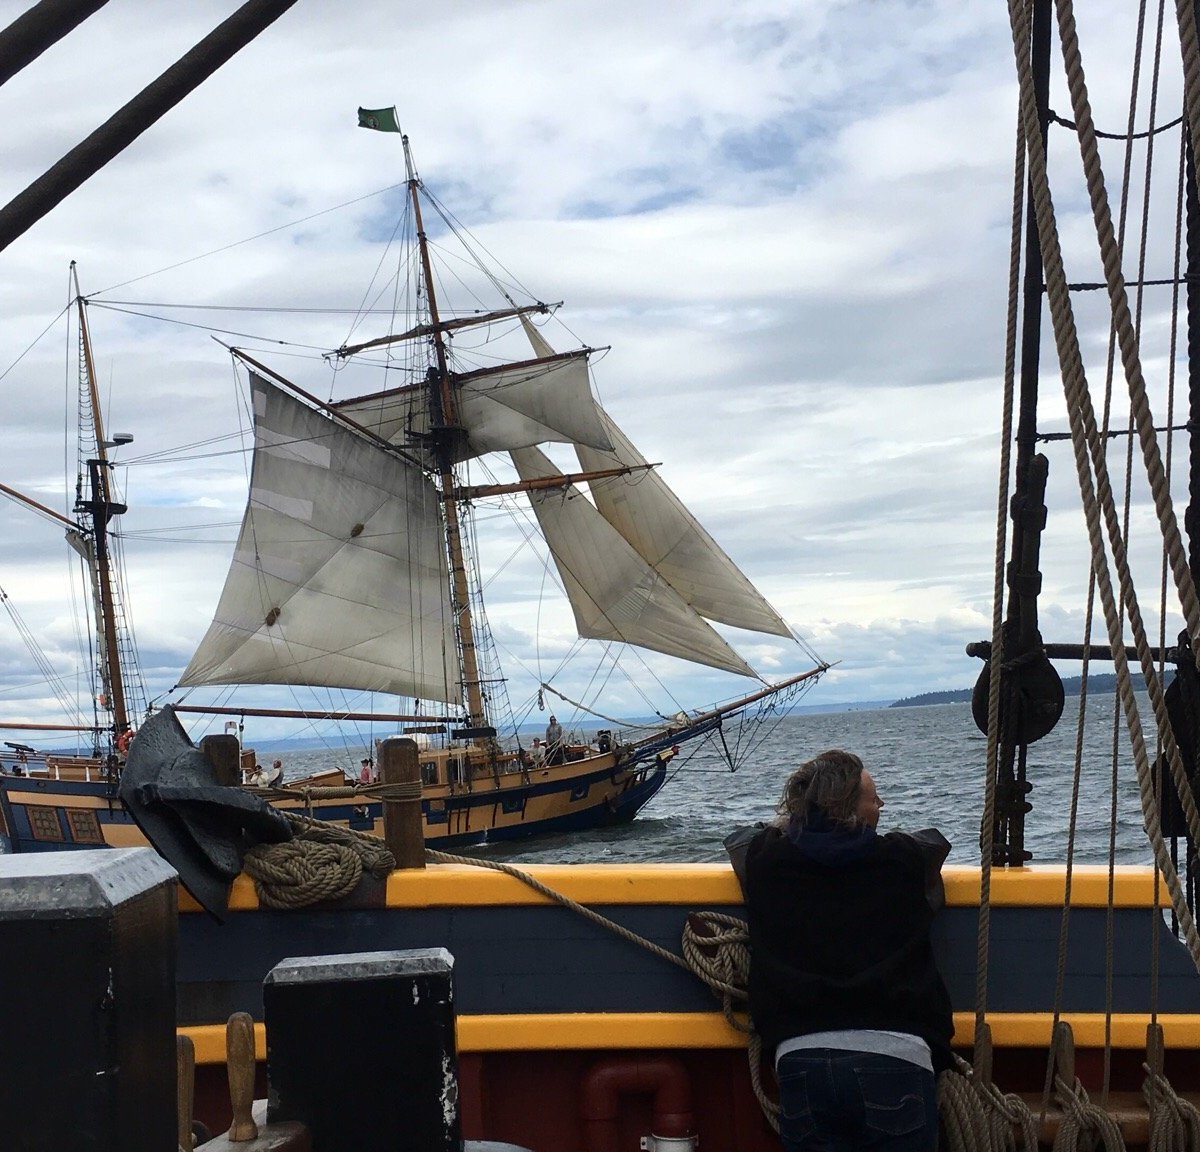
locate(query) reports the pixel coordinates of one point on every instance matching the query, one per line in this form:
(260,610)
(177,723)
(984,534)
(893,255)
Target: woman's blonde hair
(830,785)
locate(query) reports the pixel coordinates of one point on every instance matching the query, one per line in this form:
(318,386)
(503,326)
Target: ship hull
(42,814)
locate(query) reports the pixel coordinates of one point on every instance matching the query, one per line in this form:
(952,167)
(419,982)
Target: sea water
(930,766)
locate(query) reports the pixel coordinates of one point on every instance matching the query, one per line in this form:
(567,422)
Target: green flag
(381,119)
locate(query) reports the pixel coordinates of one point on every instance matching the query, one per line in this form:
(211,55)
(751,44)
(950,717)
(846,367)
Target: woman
(843,986)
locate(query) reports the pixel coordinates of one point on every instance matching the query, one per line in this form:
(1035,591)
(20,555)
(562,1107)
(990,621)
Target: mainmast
(446,431)
(101,509)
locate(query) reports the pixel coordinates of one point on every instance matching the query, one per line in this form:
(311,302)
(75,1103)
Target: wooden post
(185,1090)
(224,754)
(240,1065)
(403,827)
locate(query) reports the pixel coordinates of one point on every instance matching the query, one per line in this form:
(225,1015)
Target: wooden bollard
(225,755)
(249,1131)
(239,1063)
(403,827)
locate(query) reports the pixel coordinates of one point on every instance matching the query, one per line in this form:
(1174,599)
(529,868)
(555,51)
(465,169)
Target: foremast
(446,431)
(100,509)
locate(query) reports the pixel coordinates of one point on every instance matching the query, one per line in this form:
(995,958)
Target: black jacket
(839,935)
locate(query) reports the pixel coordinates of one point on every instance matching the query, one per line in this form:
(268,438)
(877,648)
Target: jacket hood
(824,842)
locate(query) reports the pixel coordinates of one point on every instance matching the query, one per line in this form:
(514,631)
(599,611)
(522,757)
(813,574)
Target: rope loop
(1080,1117)
(978,1117)
(1174,1122)
(717,949)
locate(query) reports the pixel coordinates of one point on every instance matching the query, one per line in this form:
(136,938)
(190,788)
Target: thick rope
(987,828)
(717,949)
(565,901)
(962,1114)
(977,1115)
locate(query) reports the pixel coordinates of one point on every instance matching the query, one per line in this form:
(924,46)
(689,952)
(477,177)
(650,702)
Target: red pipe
(610,1079)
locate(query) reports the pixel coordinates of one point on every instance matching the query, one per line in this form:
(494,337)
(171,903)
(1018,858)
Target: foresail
(339,578)
(547,399)
(668,537)
(614,593)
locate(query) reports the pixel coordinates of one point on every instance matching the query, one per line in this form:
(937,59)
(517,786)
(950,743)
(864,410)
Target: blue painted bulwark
(534,959)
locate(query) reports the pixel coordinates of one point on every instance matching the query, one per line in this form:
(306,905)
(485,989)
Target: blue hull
(89,815)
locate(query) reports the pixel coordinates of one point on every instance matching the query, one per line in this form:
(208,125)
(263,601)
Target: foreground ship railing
(542,996)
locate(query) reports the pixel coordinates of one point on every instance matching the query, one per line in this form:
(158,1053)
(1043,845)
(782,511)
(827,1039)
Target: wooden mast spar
(101,509)
(444,409)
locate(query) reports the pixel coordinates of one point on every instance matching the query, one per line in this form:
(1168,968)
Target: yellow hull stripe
(709,1030)
(697,885)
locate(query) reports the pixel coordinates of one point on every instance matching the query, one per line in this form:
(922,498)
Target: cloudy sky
(789,219)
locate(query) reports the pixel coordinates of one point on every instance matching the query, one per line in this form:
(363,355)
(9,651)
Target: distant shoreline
(1072,686)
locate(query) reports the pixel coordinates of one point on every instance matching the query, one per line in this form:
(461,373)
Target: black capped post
(385,1022)
(89,941)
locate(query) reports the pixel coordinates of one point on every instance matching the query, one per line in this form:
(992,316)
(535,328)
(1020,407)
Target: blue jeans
(840,1101)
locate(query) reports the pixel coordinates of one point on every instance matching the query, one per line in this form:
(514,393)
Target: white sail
(670,539)
(339,578)
(614,593)
(517,406)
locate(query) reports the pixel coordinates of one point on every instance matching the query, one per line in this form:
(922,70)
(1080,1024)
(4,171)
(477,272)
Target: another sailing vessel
(353,570)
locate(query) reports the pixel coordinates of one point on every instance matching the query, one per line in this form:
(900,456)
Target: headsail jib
(671,540)
(614,593)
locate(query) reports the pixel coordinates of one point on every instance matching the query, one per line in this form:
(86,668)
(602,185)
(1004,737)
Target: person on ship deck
(554,741)
(843,986)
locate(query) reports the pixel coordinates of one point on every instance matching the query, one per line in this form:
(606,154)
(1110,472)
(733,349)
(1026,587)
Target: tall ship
(357,569)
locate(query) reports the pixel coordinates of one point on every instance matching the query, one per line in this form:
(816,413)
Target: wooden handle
(239,1055)
(185,1089)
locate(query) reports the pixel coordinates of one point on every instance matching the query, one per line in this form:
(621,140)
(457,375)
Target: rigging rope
(1080,1116)
(987,829)
(1088,454)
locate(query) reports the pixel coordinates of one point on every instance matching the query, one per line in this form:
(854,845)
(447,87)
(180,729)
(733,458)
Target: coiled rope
(320,862)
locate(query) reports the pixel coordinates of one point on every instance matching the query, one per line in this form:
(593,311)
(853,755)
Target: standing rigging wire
(56,683)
